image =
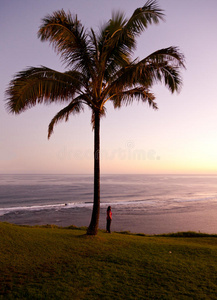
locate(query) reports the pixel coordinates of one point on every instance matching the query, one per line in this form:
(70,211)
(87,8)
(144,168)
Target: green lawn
(63,263)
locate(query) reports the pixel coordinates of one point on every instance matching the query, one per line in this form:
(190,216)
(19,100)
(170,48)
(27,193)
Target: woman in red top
(109,219)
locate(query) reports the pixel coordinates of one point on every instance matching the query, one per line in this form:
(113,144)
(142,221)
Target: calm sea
(132,197)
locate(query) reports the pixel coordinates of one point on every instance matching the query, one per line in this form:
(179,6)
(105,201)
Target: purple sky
(181,137)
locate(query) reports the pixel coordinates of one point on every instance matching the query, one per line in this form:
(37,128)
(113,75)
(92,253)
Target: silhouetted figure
(109,219)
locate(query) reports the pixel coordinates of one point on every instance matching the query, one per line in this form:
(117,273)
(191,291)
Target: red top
(109,215)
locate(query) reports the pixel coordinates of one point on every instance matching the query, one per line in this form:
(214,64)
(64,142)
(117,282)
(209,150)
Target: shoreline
(203,219)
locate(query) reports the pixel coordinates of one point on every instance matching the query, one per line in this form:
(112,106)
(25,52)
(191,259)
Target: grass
(63,263)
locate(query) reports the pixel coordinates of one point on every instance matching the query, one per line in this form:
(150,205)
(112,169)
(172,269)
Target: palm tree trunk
(93,227)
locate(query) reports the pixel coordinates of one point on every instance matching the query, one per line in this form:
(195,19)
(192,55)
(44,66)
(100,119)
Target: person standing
(109,219)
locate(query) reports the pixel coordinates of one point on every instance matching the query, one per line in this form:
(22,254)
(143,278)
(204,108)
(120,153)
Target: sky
(179,138)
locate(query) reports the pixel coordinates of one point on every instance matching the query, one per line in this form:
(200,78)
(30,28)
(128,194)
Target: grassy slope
(53,263)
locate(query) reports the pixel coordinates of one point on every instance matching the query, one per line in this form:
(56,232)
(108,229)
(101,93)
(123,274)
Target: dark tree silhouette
(99,68)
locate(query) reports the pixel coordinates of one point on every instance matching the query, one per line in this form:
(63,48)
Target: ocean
(149,204)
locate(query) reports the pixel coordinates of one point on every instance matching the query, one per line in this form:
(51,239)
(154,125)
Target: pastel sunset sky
(180,137)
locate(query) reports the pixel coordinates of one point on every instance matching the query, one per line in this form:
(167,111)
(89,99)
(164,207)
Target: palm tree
(100,68)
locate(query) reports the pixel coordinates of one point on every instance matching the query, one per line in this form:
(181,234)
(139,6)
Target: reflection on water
(128,194)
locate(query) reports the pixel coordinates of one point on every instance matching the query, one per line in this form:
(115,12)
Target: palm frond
(95,52)
(161,66)
(144,16)
(118,41)
(112,53)
(170,54)
(118,38)
(129,96)
(69,39)
(171,78)
(74,107)
(38,85)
